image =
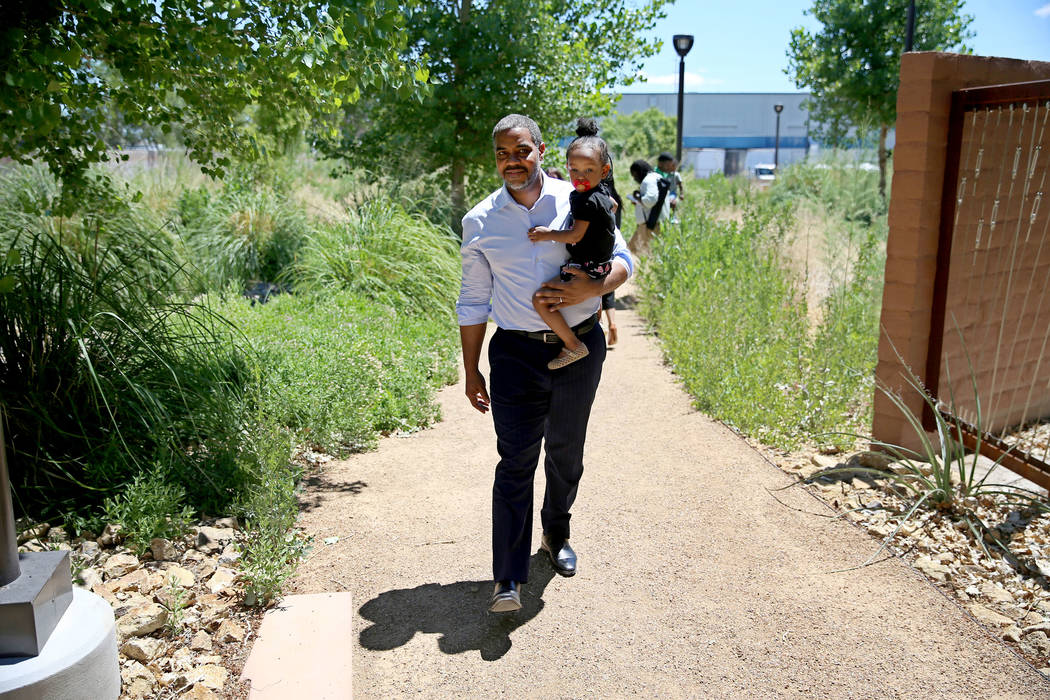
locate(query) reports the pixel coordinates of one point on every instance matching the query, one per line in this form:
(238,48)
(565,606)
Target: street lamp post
(682,44)
(778,108)
(911,26)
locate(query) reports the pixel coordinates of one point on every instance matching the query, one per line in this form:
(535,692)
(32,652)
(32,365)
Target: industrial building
(732,132)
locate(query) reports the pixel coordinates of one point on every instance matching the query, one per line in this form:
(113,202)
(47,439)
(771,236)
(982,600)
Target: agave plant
(942,474)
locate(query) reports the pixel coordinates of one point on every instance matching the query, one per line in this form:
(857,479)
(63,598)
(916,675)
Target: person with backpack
(651,206)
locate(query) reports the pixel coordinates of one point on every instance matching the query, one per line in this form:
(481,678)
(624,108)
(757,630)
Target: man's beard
(527,184)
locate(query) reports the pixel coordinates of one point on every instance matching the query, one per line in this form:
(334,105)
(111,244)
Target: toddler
(590,240)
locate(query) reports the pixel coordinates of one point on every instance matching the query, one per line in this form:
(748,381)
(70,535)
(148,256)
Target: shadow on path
(456,611)
(317,486)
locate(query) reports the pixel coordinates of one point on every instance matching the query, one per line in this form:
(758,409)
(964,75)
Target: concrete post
(9,569)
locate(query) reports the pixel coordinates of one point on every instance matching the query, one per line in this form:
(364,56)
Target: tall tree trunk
(459,194)
(882,160)
(459,167)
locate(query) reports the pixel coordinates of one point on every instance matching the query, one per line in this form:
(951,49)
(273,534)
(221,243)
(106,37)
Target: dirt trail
(693,582)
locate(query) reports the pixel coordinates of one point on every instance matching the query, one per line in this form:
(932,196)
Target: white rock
(230,554)
(136,580)
(89,551)
(823,462)
(211,676)
(120,564)
(90,577)
(212,539)
(201,642)
(222,579)
(111,535)
(229,631)
(137,688)
(934,569)
(183,577)
(142,620)
(230,523)
(989,616)
(192,555)
(33,533)
(142,648)
(199,692)
(1012,633)
(162,549)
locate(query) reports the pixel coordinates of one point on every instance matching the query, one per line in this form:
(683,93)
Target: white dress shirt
(502,268)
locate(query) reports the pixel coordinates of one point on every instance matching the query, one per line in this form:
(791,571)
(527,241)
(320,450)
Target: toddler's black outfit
(593,254)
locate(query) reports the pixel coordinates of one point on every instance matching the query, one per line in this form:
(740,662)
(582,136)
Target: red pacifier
(581,183)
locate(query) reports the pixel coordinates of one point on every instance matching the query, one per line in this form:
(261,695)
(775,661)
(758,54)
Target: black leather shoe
(506,597)
(563,559)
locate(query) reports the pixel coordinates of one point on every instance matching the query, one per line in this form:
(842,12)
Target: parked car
(765,172)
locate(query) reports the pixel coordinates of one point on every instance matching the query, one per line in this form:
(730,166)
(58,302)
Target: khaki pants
(640,241)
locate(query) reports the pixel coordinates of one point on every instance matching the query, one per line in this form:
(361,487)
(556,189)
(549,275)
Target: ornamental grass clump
(943,476)
(242,233)
(386,254)
(107,373)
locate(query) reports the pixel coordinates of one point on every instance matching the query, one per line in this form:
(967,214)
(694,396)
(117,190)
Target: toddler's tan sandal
(567,357)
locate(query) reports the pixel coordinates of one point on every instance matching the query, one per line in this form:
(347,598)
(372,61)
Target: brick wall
(923,106)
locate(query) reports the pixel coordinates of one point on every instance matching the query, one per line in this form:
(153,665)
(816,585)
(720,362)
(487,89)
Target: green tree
(640,134)
(66,66)
(851,66)
(551,59)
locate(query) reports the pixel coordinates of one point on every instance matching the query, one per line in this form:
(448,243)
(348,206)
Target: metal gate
(988,367)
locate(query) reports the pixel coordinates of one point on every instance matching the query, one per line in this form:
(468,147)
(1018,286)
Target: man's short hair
(517,121)
(665,157)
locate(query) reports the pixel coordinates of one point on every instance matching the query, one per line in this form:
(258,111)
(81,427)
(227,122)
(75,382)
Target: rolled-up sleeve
(621,253)
(475,292)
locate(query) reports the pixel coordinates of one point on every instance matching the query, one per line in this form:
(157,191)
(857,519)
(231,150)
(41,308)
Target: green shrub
(268,505)
(733,318)
(150,506)
(339,370)
(385,254)
(242,233)
(105,373)
(838,185)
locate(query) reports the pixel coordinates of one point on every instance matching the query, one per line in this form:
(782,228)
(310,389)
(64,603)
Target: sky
(742,46)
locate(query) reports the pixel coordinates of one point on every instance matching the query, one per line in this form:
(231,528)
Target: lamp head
(778,108)
(683,43)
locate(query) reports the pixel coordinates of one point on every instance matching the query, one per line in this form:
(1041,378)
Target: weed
(338,370)
(272,550)
(943,476)
(174,603)
(733,316)
(150,506)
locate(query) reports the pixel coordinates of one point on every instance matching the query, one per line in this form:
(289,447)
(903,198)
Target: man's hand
(540,233)
(578,289)
(476,392)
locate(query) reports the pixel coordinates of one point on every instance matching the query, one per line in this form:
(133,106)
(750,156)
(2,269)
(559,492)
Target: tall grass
(111,367)
(731,307)
(106,374)
(385,254)
(242,234)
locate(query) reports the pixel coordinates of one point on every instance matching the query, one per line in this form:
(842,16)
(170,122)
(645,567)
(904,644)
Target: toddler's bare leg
(556,322)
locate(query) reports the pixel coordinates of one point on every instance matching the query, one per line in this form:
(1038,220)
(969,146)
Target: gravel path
(693,582)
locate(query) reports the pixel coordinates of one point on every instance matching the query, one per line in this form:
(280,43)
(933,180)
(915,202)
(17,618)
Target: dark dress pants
(532,404)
